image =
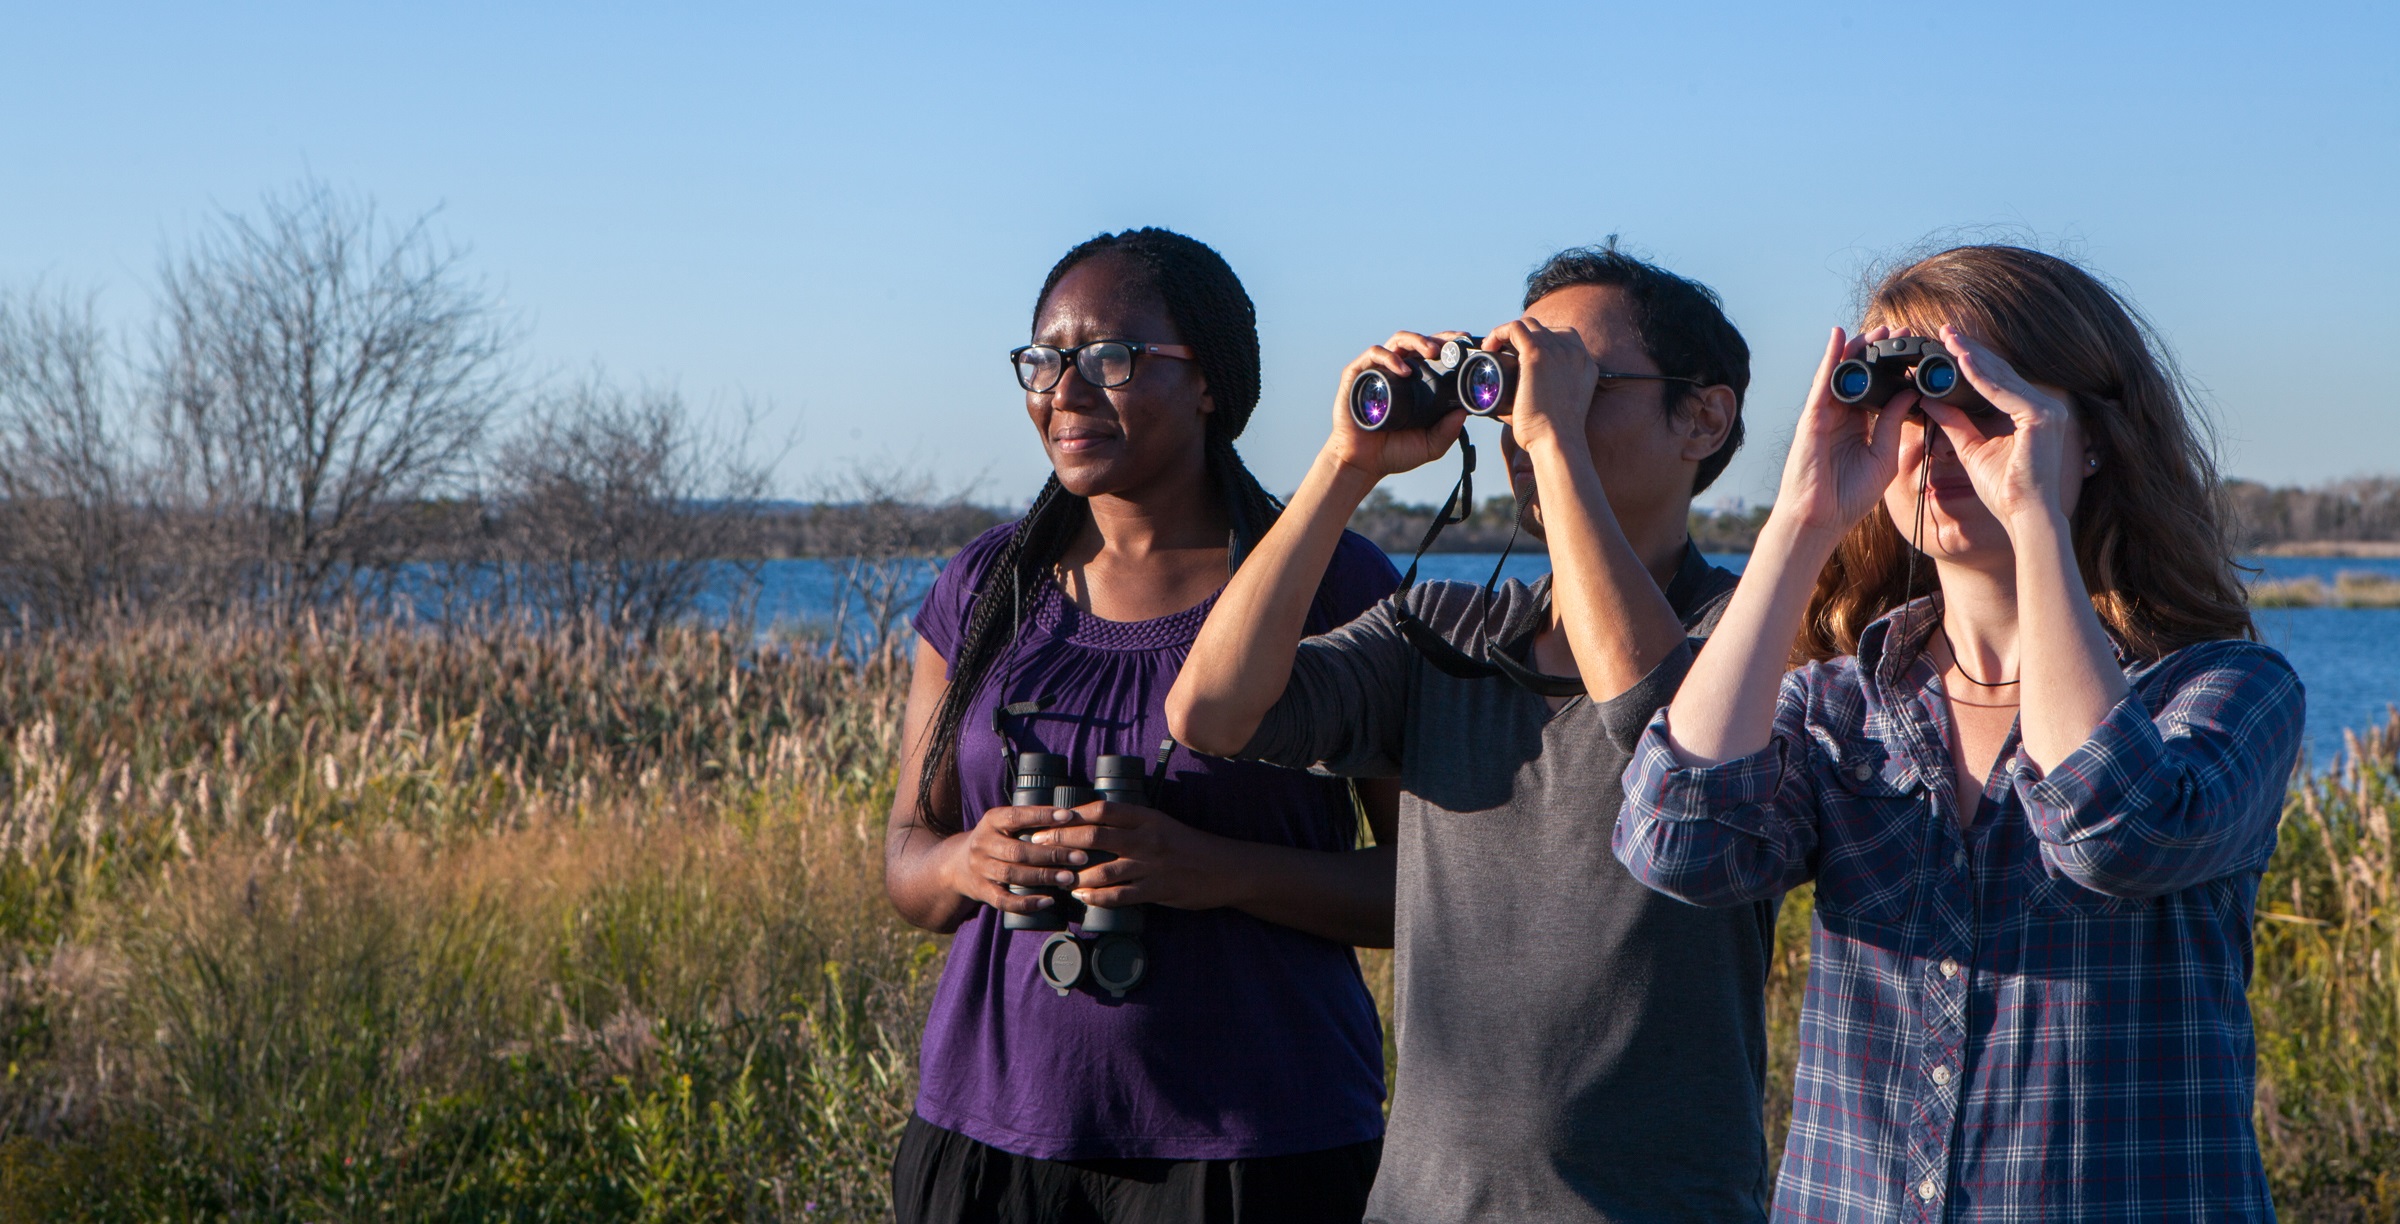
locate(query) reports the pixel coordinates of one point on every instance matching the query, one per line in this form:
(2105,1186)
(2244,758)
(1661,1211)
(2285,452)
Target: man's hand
(1555,379)
(1380,453)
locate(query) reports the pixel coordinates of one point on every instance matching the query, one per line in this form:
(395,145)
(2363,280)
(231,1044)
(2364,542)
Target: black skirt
(943,1177)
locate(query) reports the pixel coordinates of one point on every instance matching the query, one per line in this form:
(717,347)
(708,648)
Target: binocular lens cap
(1118,963)
(1062,962)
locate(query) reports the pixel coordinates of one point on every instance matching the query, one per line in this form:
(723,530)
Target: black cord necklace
(1961,665)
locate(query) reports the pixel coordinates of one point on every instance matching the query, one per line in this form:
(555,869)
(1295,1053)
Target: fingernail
(1083,896)
(1066,877)
(1076,857)
(1043,902)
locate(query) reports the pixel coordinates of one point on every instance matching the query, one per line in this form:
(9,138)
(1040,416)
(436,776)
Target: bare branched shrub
(620,512)
(71,514)
(881,527)
(318,372)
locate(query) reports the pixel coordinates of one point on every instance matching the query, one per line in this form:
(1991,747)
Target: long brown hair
(2149,527)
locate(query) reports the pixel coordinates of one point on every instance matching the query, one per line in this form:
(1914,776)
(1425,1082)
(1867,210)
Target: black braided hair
(1212,314)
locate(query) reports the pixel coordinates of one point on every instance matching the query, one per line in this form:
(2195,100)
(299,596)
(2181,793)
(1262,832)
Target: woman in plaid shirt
(2035,802)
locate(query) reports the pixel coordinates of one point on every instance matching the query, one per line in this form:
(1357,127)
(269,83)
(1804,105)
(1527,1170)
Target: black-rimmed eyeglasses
(1102,363)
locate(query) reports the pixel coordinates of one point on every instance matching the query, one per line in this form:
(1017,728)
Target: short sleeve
(1356,579)
(1344,706)
(941,619)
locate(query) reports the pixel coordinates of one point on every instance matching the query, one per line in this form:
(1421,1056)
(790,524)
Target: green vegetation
(321,923)
(2351,589)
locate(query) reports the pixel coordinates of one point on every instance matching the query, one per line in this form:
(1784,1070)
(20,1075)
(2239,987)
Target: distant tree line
(2359,510)
(327,409)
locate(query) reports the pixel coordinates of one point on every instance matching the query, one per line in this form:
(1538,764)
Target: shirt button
(1949,967)
(1926,1190)
(1941,1075)
(1862,771)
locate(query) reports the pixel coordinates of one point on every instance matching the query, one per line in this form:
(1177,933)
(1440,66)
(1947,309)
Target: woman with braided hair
(1241,1078)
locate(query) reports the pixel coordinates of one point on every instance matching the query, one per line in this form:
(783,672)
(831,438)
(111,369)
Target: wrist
(1807,543)
(1224,881)
(2040,522)
(1344,474)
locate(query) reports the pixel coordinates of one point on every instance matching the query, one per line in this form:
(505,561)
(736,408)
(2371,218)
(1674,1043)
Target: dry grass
(321,923)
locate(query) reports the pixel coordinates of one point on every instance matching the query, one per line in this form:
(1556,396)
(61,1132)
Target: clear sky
(842,212)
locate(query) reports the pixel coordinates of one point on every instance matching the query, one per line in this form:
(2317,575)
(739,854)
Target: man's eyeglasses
(1102,363)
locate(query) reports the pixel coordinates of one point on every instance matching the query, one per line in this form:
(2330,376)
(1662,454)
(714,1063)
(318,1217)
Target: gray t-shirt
(1572,1045)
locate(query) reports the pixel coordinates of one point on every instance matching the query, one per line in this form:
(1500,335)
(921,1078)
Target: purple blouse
(1247,1038)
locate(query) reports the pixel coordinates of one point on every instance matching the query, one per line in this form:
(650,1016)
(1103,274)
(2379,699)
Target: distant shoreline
(2330,548)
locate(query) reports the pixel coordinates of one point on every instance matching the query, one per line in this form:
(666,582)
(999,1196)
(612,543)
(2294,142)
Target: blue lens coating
(1936,377)
(1850,382)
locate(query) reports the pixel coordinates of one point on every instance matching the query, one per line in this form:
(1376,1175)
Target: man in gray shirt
(1572,1046)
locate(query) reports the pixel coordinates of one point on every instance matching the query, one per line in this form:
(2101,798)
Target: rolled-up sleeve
(1344,707)
(2154,803)
(1727,834)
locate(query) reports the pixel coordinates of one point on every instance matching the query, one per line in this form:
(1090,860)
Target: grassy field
(315,924)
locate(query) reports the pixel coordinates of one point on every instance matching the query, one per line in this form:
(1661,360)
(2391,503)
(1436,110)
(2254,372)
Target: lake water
(2349,658)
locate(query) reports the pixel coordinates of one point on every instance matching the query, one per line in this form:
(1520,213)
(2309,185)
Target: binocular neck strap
(1455,510)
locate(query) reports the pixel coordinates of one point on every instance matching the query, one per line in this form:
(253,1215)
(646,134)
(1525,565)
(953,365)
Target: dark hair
(2148,528)
(1681,323)
(1212,314)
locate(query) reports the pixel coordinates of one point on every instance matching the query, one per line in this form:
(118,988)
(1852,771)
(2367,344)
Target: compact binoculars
(1464,375)
(1870,379)
(1109,953)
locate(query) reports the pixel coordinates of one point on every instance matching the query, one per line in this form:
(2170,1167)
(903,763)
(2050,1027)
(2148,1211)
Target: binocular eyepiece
(1462,375)
(1109,954)
(1870,379)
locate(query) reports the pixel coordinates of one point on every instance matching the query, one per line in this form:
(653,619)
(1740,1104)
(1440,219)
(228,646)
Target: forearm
(1726,707)
(918,865)
(1243,656)
(2069,671)
(1341,895)
(1618,623)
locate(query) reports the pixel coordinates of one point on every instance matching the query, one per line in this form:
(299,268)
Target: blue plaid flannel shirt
(2039,1017)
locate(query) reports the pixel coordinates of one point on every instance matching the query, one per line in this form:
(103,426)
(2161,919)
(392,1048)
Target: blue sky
(840,213)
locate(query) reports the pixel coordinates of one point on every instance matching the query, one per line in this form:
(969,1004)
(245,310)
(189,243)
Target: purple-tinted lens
(1371,400)
(1483,385)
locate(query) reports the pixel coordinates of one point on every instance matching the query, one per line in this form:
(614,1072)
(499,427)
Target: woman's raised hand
(1381,453)
(1843,457)
(2017,463)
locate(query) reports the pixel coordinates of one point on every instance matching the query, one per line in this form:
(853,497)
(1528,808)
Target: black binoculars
(1463,375)
(1870,379)
(1109,953)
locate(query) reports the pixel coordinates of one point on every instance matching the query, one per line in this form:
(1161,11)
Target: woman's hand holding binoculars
(990,857)
(1842,459)
(2019,468)
(1158,859)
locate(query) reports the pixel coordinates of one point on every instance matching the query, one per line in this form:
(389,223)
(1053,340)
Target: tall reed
(328,921)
